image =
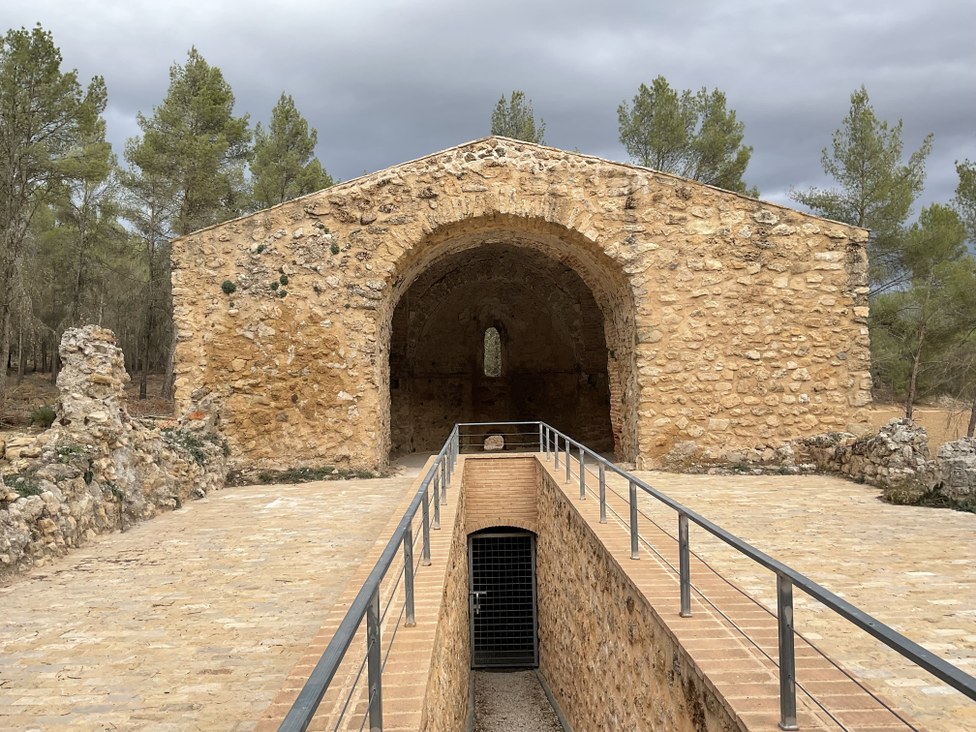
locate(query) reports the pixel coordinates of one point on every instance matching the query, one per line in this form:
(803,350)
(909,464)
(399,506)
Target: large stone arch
(730,324)
(578,257)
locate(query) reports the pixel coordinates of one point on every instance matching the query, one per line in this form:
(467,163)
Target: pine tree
(187,172)
(45,117)
(516,119)
(688,134)
(284,165)
(876,189)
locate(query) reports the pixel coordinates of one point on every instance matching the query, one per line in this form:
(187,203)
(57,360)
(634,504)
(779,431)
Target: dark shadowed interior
(497,333)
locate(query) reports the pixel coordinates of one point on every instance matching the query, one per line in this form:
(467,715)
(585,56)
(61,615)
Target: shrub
(195,443)
(228,287)
(44,416)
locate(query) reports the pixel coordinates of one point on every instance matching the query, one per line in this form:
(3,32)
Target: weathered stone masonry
(726,321)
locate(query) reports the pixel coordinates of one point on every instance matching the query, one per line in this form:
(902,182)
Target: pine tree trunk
(913,381)
(972,418)
(4,352)
(146,345)
(22,353)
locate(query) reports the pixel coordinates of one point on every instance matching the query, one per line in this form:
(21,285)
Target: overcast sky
(387,81)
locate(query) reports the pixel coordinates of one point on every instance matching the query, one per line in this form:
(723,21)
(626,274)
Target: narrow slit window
(493,353)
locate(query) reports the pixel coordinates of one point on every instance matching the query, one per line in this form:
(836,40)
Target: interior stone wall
(727,321)
(553,349)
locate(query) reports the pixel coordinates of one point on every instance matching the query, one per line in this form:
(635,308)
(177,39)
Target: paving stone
(191,621)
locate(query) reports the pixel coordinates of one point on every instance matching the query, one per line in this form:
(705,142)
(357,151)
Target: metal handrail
(786,579)
(439,474)
(367,601)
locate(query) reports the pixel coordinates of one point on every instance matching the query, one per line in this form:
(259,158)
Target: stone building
(637,311)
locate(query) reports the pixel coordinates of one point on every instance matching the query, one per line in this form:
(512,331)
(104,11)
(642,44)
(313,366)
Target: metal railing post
(634,550)
(425,509)
(445,479)
(540,436)
(787,657)
(437,501)
(568,474)
(684,565)
(408,574)
(603,493)
(374,664)
(582,466)
(555,449)
(545,433)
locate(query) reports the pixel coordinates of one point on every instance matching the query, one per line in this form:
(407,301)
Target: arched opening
(500,332)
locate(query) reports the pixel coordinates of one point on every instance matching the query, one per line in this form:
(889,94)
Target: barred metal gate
(502,599)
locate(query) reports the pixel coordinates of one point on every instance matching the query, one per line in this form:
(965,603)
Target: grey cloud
(388,81)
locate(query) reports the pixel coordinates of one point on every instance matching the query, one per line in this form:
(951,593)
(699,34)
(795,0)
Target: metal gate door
(502,599)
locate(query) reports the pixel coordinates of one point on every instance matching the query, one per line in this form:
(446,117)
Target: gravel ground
(510,702)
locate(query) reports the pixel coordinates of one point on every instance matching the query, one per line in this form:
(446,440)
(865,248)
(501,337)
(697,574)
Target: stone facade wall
(447,699)
(728,321)
(609,661)
(98,470)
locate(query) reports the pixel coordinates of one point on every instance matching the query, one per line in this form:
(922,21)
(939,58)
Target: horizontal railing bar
(309,698)
(494,424)
(938,667)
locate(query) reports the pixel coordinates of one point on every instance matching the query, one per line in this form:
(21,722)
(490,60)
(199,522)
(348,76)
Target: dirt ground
(37,390)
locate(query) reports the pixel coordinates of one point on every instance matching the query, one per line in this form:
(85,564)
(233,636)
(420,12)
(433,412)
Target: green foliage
(282,292)
(23,484)
(193,150)
(966,196)
(515,118)
(261,248)
(876,189)
(228,287)
(43,416)
(51,137)
(307,475)
(68,452)
(195,443)
(688,134)
(916,327)
(284,165)
(275,284)
(283,279)
(334,248)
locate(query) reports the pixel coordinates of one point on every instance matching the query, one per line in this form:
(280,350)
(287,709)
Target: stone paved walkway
(912,568)
(191,621)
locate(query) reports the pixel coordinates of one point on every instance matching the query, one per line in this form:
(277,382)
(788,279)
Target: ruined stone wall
(608,660)
(897,460)
(728,322)
(98,470)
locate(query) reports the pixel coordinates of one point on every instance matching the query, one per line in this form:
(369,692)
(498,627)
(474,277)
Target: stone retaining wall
(98,470)
(606,656)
